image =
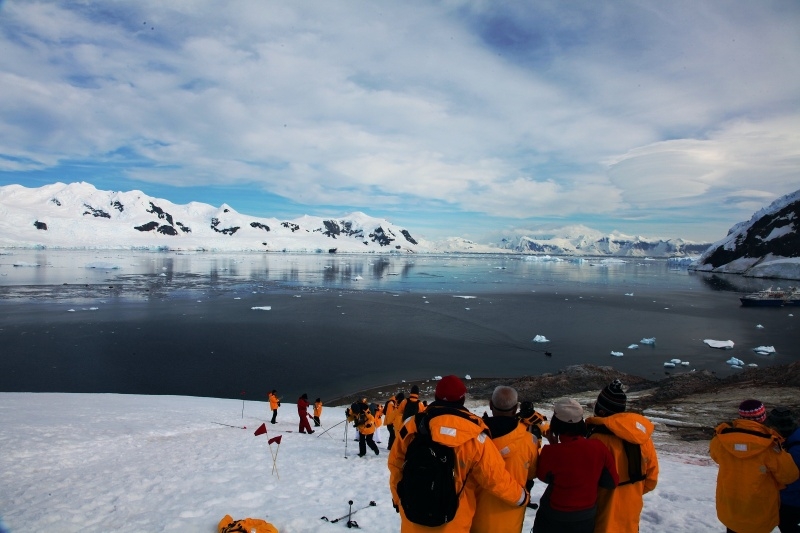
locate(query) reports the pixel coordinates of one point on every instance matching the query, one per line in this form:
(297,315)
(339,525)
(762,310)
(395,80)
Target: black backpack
(410,409)
(427,489)
(633,453)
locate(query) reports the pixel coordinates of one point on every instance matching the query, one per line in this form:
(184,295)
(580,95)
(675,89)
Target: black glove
(396,508)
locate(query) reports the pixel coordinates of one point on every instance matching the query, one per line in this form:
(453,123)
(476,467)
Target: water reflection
(144,273)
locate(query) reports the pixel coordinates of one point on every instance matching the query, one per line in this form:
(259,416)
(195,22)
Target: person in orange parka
(317,412)
(365,423)
(274,403)
(628,438)
(378,423)
(752,470)
(389,413)
(520,451)
(407,408)
(475,455)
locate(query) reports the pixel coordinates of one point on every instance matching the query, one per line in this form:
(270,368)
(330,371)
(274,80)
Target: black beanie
(612,399)
(414,389)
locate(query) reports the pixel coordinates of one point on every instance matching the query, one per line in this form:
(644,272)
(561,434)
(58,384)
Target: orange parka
(273,401)
(397,416)
(752,470)
(520,452)
(379,416)
(475,454)
(317,409)
(618,510)
(366,423)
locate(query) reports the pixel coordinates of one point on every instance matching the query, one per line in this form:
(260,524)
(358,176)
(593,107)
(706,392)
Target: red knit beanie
(753,410)
(450,389)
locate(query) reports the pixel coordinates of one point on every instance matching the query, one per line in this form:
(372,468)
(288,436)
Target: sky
(454,118)
(89,462)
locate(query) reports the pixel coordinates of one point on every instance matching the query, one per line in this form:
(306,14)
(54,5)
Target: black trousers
(390,427)
(316,422)
(363,442)
(274,414)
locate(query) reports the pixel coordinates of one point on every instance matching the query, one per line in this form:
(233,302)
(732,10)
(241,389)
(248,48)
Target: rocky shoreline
(685,407)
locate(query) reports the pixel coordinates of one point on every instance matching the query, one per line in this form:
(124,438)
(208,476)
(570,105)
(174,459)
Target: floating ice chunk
(633,347)
(753,365)
(237,298)
(764,350)
(103,266)
(628,294)
(262,308)
(669,365)
(649,340)
(722,345)
(467,377)
(737,367)
(70,310)
(684,363)
(759,326)
(465,297)
(676,361)
(735,361)
(617,354)
(297,296)
(437,378)
(540,338)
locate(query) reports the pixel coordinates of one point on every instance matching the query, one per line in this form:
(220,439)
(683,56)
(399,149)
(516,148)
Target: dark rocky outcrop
(227,231)
(97,213)
(40,225)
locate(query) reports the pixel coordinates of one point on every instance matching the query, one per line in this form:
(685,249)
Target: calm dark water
(197,324)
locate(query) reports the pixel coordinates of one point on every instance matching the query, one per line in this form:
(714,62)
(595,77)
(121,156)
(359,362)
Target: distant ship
(772,298)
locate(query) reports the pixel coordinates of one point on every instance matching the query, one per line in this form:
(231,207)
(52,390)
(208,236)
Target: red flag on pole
(262,429)
(275,439)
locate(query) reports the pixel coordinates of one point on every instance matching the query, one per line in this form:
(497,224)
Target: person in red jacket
(573,467)
(302,412)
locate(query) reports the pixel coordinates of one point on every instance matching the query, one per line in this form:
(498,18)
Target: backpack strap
(633,452)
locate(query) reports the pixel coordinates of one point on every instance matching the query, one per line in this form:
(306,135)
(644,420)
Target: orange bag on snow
(245,525)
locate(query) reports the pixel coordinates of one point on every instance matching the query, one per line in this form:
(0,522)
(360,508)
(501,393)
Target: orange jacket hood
(746,438)
(631,427)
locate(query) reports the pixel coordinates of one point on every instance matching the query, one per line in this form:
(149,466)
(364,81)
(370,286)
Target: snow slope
(105,462)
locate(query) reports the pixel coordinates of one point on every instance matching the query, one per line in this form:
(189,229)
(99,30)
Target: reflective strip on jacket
(752,470)
(618,510)
(475,454)
(520,452)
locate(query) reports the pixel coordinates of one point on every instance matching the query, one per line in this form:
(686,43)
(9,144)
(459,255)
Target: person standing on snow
(783,421)
(302,412)
(752,470)
(407,408)
(378,423)
(449,423)
(317,412)
(366,429)
(628,438)
(573,467)
(389,413)
(520,452)
(274,403)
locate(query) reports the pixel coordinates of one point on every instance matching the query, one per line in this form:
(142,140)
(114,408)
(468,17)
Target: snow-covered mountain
(581,240)
(80,216)
(766,246)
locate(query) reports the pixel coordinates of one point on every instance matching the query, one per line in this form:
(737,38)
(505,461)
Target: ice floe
(648,340)
(733,361)
(722,345)
(540,338)
(617,354)
(669,365)
(633,347)
(262,308)
(764,350)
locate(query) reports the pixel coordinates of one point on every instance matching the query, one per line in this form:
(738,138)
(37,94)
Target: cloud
(625,110)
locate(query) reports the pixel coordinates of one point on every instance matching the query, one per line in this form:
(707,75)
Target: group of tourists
(454,471)
(302,411)
(597,469)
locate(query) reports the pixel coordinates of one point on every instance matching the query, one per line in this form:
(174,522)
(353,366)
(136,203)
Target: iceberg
(764,350)
(733,361)
(722,345)
(633,347)
(676,361)
(617,354)
(650,340)
(540,338)
(669,365)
